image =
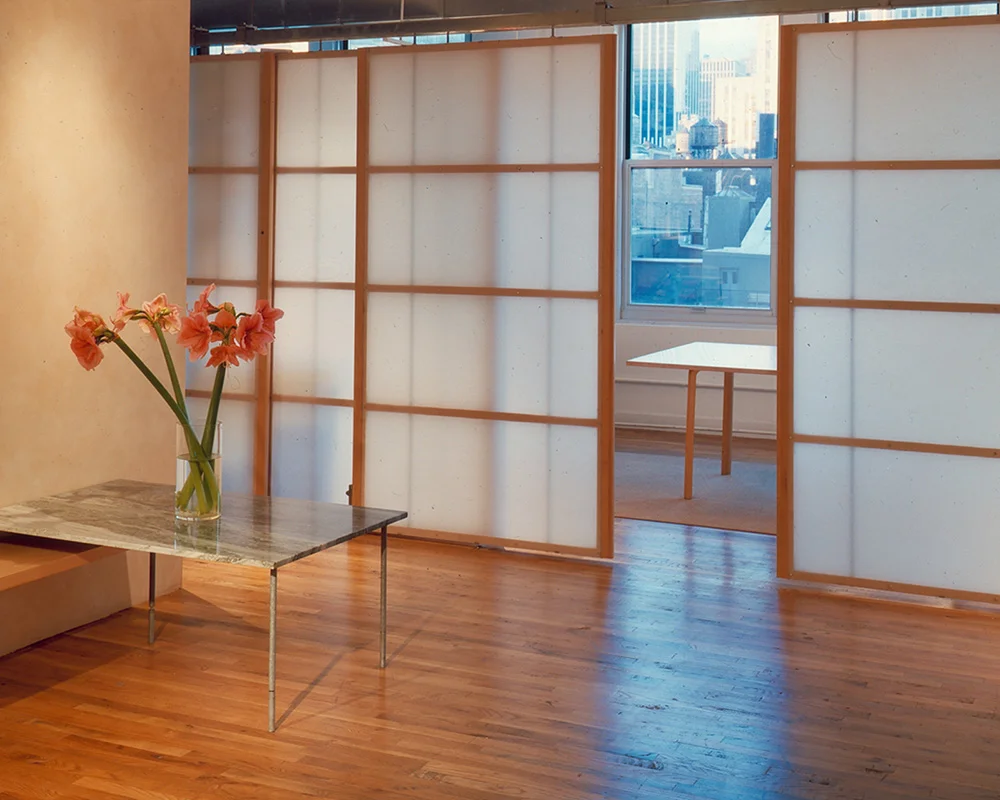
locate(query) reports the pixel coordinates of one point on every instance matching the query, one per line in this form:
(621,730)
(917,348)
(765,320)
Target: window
(874,14)
(702,143)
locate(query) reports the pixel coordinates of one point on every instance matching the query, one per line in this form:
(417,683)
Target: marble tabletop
(256,531)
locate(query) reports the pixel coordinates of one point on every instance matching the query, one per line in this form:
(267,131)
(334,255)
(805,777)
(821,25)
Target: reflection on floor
(649,481)
(683,670)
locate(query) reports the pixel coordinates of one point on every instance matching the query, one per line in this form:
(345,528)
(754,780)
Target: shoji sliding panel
(889,364)
(312,433)
(223,218)
(489,291)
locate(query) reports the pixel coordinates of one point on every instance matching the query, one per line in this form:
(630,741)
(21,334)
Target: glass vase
(198,487)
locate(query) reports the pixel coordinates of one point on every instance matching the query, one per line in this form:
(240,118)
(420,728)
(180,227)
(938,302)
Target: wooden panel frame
(788,166)
(606,169)
(265,283)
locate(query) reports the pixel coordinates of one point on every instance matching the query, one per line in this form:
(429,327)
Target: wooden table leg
(689,437)
(727,423)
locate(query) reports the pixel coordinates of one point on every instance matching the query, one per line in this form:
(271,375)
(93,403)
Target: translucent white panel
(573,486)
(435,107)
(388,463)
(239,380)
(904,72)
(508,480)
(432,350)
(237,418)
(314,350)
(314,228)
(545,359)
(547,226)
(317,112)
(222,226)
(225,113)
(510,354)
(824,96)
(927,235)
(823,482)
(897,375)
(572,354)
(823,385)
(576,104)
(529,230)
(549,104)
(927,519)
(927,377)
(515,105)
(884,234)
(824,217)
(437,469)
(312,451)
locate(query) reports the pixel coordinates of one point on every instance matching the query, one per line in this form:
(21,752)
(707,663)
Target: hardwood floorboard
(683,670)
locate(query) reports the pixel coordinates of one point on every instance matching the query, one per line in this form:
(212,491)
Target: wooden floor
(706,445)
(681,671)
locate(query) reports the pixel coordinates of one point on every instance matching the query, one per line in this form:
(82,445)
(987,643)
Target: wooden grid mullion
(898,305)
(484,291)
(606,301)
(788,67)
(361,188)
(205,394)
(483,414)
(265,267)
(898,446)
(467,169)
(916,165)
(304,399)
(251,170)
(202,281)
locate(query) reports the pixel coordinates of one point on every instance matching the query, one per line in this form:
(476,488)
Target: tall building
(687,69)
(711,70)
(765,66)
(653,83)
(734,102)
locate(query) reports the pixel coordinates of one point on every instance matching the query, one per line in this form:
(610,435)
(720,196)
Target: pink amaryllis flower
(202,304)
(269,314)
(253,336)
(123,314)
(225,354)
(224,324)
(84,346)
(195,335)
(159,310)
(87,319)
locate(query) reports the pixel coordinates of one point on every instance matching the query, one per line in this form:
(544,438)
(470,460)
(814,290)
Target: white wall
(93,143)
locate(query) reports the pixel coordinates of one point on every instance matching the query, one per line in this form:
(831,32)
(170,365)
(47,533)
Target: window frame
(688,316)
(717,316)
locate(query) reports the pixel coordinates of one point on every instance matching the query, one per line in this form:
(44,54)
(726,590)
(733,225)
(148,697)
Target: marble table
(267,532)
(755,359)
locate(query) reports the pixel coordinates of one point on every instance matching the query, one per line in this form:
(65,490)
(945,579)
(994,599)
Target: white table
(753,359)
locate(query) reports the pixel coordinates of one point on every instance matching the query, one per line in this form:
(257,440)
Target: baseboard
(675,423)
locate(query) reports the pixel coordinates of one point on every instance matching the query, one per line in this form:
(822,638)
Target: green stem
(178,392)
(198,455)
(207,438)
(208,435)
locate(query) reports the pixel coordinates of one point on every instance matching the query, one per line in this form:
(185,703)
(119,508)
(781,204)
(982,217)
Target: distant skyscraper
(652,82)
(687,69)
(712,69)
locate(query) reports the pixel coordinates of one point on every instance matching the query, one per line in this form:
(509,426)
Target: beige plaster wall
(93,159)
